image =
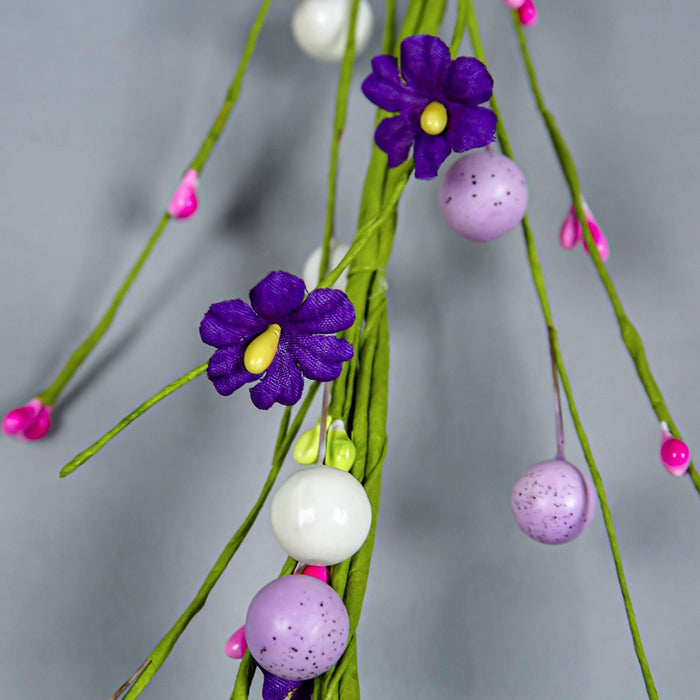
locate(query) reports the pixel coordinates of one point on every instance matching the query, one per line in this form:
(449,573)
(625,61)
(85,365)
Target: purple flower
(282,337)
(437,103)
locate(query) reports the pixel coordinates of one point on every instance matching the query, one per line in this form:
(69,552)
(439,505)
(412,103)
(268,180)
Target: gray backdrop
(102,106)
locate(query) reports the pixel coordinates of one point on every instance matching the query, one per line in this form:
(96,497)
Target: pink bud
(528,14)
(29,422)
(674,453)
(236,646)
(513,4)
(183,203)
(570,231)
(601,242)
(319,572)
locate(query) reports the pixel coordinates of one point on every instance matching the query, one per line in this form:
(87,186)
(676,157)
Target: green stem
(540,287)
(630,335)
(341,112)
(91,451)
(50,394)
(165,646)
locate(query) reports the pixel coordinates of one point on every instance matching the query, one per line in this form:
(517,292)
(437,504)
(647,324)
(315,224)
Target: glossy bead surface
(29,422)
(262,350)
(513,4)
(183,204)
(527,12)
(321,515)
(433,119)
(553,502)
(236,646)
(483,195)
(319,572)
(320,28)
(297,627)
(675,455)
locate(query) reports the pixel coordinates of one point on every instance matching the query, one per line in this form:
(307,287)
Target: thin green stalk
(162,650)
(50,394)
(363,235)
(630,335)
(91,451)
(540,287)
(341,112)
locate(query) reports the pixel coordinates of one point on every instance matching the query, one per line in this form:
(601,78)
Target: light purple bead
(483,195)
(297,627)
(553,502)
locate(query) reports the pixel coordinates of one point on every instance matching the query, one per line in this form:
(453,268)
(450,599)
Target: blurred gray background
(103,104)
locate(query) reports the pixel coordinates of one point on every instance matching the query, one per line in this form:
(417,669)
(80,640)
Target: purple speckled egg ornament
(297,627)
(483,195)
(553,502)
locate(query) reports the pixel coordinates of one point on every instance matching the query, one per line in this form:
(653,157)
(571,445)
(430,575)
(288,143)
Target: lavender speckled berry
(483,196)
(297,627)
(553,502)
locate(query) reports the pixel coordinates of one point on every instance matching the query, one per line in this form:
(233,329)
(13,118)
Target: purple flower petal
(323,311)
(425,62)
(321,357)
(275,688)
(282,382)
(395,136)
(277,295)
(227,372)
(468,82)
(385,88)
(470,127)
(230,322)
(429,154)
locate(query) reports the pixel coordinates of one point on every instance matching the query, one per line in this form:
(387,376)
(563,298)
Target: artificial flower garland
(286,334)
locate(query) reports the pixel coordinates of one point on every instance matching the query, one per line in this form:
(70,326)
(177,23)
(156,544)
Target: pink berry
(29,422)
(236,646)
(675,456)
(183,203)
(553,502)
(483,195)
(513,4)
(528,14)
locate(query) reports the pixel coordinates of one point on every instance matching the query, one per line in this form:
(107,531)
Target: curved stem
(162,650)
(561,442)
(341,112)
(91,451)
(50,394)
(630,335)
(538,280)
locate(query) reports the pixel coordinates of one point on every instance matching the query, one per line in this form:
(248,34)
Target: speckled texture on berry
(297,627)
(553,502)
(483,195)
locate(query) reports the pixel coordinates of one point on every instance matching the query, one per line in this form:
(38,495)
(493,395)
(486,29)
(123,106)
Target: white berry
(321,515)
(320,28)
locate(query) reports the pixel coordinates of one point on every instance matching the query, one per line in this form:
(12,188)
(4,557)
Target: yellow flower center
(433,120)
(261,351)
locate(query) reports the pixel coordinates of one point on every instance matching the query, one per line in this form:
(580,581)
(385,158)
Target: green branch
(91,451)
(540,287)
(51,393)
(162,650)
(630,335)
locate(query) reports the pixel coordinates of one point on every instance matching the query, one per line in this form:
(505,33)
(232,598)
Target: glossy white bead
(320,28)
(311,266)
(321,515)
